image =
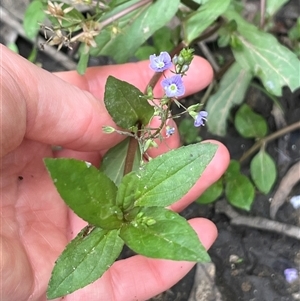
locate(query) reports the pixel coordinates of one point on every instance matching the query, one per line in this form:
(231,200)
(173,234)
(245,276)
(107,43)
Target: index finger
(67,109)
(139,74)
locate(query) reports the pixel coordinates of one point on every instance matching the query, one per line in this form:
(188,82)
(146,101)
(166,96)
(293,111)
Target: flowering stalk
(174,88)
(91,28)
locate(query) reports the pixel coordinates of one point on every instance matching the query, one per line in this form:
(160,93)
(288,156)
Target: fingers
(51,110)
(70,112)
(146,277)
(139,278)
(198,77)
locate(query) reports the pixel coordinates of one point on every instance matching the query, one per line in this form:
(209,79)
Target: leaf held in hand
(126,193)
(114,161)
(87,191)
(167,178)
(125,104)
(161,233)
(84,260)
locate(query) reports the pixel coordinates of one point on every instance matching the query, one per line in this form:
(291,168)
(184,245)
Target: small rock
(204,288)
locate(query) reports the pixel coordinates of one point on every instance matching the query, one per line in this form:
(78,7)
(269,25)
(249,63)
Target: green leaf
(233,169)
(232,89)
(167,178)
(114,161)
(223,40)
(263,55)
(87,191)
(263,171)
(34,15)
(84,260)
(114,3)
(13,46)
(250,124)
(162,40)
(144,52)
(135,30)
(239,191)
(125,104)
(161,233)
(33,55)
(212,193)
(199,20)
(115,7)
(188,132)
(125,195)
(294,32)
(272,6)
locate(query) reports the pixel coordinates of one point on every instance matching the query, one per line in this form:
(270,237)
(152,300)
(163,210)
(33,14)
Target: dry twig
(256,222)
(10,20)
(285,187)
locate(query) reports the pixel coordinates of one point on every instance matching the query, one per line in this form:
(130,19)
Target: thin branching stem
(261,142)
(111,19)
(134,145)
(124,12)
(262,13)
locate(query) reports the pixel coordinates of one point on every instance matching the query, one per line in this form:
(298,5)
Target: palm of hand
(34,221)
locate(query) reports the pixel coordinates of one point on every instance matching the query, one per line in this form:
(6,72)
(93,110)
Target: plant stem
(271,96)
(115,17)
(132,148)
(269,138)
(124,12)
(133,143)
(207,93)
(262,13)
(221,72)
(156,76)
(210,31)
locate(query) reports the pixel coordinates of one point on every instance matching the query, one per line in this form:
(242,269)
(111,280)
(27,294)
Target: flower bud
(150,92)
(150,222)
(180,60)
(194,107)
(108,129)
(175,59)
(185,68)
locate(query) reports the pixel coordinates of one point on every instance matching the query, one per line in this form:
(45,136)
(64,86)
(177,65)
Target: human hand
(39,110)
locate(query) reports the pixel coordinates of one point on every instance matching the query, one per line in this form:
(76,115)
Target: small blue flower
(160,63)
(201,118)
(291,275)
(173,86)
(169,131)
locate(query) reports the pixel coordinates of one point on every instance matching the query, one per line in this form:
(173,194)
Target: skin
(40,109)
